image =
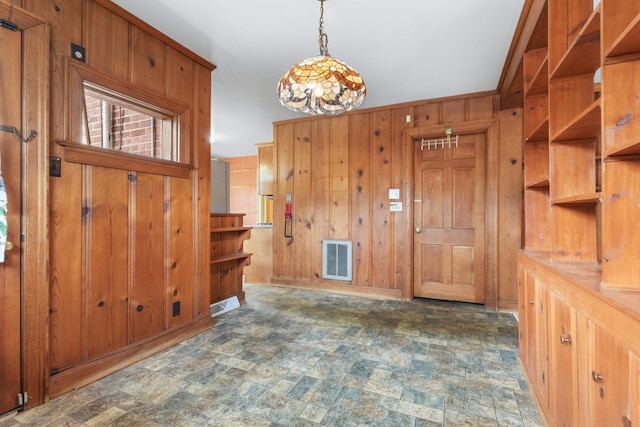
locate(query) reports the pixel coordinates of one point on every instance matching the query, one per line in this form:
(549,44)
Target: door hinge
(23,398)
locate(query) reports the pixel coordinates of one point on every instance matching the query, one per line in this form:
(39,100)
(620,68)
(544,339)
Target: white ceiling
(406,50)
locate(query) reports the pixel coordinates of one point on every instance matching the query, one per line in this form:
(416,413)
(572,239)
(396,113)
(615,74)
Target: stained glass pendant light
(321,84)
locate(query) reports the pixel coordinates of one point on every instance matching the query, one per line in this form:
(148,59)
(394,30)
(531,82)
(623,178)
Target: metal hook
(12,129)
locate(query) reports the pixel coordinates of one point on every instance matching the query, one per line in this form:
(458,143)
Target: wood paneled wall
(338,171)
(129,262)
(243,187)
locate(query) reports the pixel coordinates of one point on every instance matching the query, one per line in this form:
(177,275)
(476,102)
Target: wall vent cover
(337,259)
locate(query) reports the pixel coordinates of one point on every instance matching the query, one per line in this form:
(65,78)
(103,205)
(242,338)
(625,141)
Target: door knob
(418,229)
(8,246)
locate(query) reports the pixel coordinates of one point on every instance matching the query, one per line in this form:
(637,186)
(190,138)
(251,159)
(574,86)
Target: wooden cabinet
(589,349)
(582,207)
(227,257)
(266,184)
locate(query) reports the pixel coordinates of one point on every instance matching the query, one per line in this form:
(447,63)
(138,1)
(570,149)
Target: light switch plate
(394,193)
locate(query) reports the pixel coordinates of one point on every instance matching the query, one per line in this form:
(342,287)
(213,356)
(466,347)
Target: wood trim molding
(87,373)
(487,126)
(84,154)
(369,292)
(22,18)
(35,177)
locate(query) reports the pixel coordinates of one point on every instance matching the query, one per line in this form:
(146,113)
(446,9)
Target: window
(117,124)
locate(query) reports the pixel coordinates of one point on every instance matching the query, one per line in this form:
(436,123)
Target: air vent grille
(337,259)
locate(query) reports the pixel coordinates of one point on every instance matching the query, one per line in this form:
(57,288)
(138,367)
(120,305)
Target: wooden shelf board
(230,257)
(628,41)
(628,150)
(541,133)
(586,125)
(583,56)
(583,199)
(540,82)
(228,229)
(538,185)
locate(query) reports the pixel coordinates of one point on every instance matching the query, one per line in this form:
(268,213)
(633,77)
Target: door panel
(10,288)
(449,221)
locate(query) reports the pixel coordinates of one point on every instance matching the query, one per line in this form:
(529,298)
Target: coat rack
(449,141)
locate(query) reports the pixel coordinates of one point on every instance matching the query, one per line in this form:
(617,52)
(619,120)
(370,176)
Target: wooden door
(10,286)
(449,220)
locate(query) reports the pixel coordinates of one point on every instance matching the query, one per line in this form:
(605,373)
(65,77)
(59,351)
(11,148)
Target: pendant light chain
(323,40)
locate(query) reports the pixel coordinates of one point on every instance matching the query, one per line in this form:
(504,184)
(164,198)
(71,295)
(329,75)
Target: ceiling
(406,50)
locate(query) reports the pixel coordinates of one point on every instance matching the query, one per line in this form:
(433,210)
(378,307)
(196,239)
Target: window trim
(75,151)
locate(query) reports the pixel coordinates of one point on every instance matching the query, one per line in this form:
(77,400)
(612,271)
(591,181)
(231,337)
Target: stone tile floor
(303,358)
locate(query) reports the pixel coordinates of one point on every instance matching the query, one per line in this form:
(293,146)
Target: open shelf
(583,199)
(225,229)
(586,125)
(540,133)
(583,56)
(541,184)
(627,42)
(538,83)
(230,257)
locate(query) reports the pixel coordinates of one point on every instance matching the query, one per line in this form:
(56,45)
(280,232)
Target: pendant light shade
(321,84)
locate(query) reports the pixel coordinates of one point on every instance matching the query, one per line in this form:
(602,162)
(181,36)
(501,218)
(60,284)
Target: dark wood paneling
(180,81)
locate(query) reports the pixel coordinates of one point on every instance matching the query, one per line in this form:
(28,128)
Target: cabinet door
(610,385)
(540,341)
(563,381)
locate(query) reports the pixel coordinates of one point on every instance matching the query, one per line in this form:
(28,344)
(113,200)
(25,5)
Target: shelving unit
(579,271)
(227,257)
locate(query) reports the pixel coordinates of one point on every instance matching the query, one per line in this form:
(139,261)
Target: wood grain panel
(463,197)
(321,191)
(510,205)
(303,211)
(432,198)
(148,61)
(65,320)
(433,263)
(283,252)
(180,229)
(428,114)
(63,17)
(340,197)
(453,111)
(464,261)
(106,39)
(180,77)
(105,259)
(381,152)
(481,107)
(400,223)
(147,254)
(201,188)
(361,182)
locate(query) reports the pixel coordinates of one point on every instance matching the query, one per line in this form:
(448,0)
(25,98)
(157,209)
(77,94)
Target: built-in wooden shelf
(540,133)
(225,229)
(587,125)
(583,56)
(628,42)
(583,199)
(540,81)
(541,184)
(230,257)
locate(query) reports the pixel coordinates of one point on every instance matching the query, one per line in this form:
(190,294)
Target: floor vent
(221,307)
(337,259)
